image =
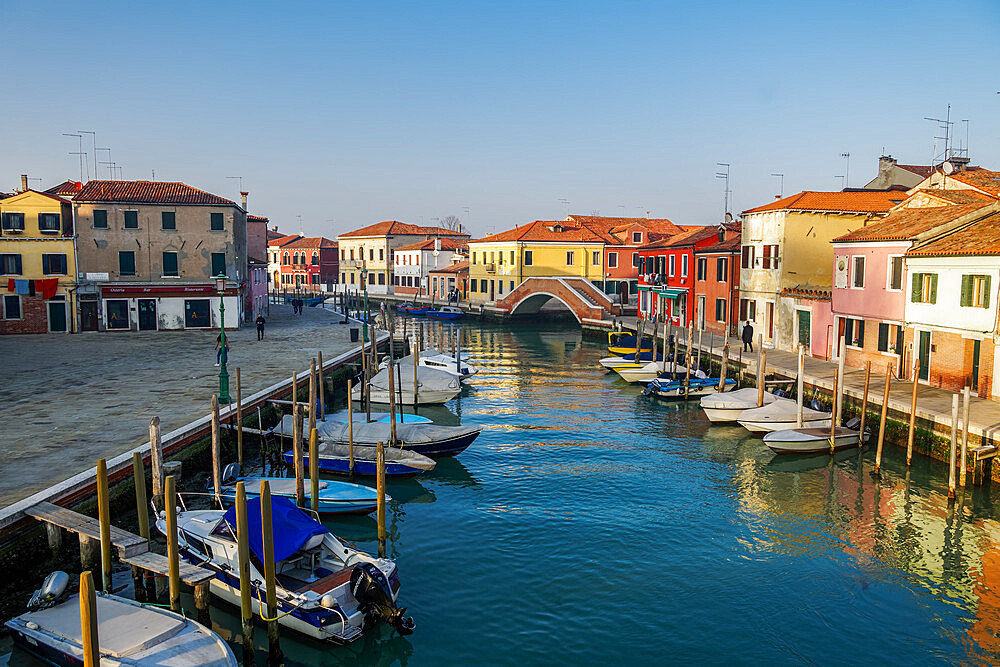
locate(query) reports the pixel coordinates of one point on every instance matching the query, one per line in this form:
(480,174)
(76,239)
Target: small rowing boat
(679,390)
(629,360)
(334,497)
(727,407)
(336,459)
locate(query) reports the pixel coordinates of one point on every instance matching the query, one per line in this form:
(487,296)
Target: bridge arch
(533,302)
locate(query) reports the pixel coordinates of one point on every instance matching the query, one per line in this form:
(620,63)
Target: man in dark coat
(260,326)
(747,337)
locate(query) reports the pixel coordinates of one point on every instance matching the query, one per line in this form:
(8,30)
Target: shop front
(167,307)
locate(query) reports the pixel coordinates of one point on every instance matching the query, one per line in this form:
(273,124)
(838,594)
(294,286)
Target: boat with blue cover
(681,390)
(427,439)
(326,589)
(445,313)
(629,360)
(334,497)
(623,342)
(336,459)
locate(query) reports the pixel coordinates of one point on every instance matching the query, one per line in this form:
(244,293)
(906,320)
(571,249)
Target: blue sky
(350,113)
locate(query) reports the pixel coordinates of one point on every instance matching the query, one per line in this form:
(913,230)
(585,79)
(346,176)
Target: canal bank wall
(933,424)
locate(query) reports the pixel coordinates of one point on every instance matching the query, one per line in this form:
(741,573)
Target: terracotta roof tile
(979,178)
(256,218)
(446,244)
(148,192)
(459,267)
(957,196)
(906,223)
(923,170)
(392,227)
(544,230)
(857,201)
(732,245)
(282,241)
(310,242)
(615,225)
(979,238)
(65,188)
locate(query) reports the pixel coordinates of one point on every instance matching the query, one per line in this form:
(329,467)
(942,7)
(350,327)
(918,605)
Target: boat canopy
(292,527)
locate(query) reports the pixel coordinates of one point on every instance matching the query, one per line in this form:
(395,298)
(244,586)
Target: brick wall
(34,318)
(856,358)
(951,361)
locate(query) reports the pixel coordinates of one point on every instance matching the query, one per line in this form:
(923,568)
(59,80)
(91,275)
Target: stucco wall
(875,300)
(947,313)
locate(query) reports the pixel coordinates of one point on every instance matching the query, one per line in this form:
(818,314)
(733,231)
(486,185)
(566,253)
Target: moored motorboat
(337,460)
(655,369)
(728,407)
(446,313)
(325,588)
(433,386)
(427,439)
(680,390)
(342,418)
(622,342)
(781,414)
(334,497)
(629,360)
(128,633)
(811,440)
(443,362)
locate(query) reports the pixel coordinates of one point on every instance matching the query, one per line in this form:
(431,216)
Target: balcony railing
(490,268)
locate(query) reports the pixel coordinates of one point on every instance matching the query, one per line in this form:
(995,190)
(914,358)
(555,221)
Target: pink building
(256,294)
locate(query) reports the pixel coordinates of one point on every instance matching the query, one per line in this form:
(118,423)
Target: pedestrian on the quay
(219,349)
(747,337)
(260,326)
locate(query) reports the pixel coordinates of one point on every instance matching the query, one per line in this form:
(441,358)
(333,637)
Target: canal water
(589,524)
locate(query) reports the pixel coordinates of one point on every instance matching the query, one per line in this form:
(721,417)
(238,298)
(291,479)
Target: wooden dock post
(725,367)
(201,604)
(966,398)
(953,446)
(322,387)
(701,335)
(881,423)
(312,394)
(839,393)
(239,420)
(913,411)
(142,512)
(173,571)
(761,373)
(216,448)
(350,431)
(274,647)
(392,403)
(104,516)
(243,555)
(416,362)
(380,489)
(834,411)
(314,469)
(91,643)
(156,455)
(864,403)
(800,387)
(300,490)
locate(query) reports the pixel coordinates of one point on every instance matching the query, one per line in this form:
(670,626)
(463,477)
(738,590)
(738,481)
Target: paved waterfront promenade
(71,399)
(932,403)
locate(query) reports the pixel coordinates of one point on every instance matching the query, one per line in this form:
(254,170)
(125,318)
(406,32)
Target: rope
(264,618)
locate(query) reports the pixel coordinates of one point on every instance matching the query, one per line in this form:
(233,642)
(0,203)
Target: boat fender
(370,588)
(854,423)
(53,590)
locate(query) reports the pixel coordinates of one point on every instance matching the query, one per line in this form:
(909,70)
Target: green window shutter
(100,219)
(986,292)
(966,291)
(918,283)
(168,220)
(933,298)
(218,263)
(861,333)
(883,337)
(131,219)
(170,263)
(848,331)
(217,222)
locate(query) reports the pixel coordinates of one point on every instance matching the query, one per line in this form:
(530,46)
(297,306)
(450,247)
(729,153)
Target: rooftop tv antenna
(240,179)
(944,127)
(781,185)
(93,136)
(847,171)
(724,175)
(80,152)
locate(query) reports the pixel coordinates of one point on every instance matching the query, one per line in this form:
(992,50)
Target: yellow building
(368,252)
(499,263)
(37,264)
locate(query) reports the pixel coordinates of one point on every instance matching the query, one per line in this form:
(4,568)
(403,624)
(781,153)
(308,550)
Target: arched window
(315,258)
(284,259)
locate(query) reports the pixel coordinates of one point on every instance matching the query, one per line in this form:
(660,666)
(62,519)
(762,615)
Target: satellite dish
(948,168)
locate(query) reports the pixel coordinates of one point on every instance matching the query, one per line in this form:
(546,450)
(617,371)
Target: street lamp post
(220,286)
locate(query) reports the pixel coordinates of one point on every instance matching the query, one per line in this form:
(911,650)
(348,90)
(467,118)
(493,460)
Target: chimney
(244,196)
(24,182)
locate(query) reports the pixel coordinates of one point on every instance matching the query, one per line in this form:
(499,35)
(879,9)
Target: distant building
(308,264)
(892,175)
(454,276)
(148,252)
(38,264)
(256,296)
(717,282)
(413,263)
(275,241)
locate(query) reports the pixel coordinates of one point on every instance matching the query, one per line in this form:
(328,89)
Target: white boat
(728,407)
(653,370)
(284,428)
(442,362)
(628,360)
(129,633)
(427,439)
(811,440)
(433,386)
(781,414)
(325,588)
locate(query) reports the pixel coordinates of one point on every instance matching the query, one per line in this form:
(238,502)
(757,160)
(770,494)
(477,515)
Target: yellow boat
(623,342)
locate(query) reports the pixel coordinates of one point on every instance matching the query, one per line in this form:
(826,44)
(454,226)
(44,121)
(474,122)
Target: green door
(805,326)
(925,354)
(57,316)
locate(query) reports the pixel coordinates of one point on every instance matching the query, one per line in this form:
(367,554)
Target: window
(11,307)
(635,259)
(858,274)
(473,257)
(770,259)
(54,264)
(854,332)
(890,338)
(48,222)
(684,266)
(482,285)
(218,263)
(596,258)
(748,310)
(352,254)
(217,222)
(170,264)
(500,258)
(126,263)
(499,287)
(612,260)
(673,263)
(168,220)
(472,286)
(512,258)
(747,257)
(976,291)
(131,219)
(720,310)
(511,285)
(722,269)
(924,288)
(702,268)
(371,278)
(342,251)
(381,279)
(284,259)
(527,257)
(371,254)
(315,279)
(100,219)
(381,254)
(352,277)
(315,259)
(13,222)
(197,313)
(10,264)
(570,258)
(636,237)
(896,272)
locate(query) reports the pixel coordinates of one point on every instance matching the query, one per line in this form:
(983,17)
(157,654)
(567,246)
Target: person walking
(219,349)
(260,326)
(747,337)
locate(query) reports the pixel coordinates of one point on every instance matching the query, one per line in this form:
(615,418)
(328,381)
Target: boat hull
(438,315)
(364,504)
(810,441)
(342,466)
(428,397)
(766,426)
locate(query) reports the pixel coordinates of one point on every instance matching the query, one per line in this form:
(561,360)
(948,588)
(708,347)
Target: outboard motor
(230,473)
(371,589)
(52,592)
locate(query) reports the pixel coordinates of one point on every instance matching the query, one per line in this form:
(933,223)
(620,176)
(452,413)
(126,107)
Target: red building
(308,263)
(717,284)
(667,272)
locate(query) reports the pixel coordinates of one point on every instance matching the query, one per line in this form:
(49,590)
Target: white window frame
(636,237)
(635,259)
(570,258)
(888,274)
(20,307)
(596,257)
(854,271)
(671,265)
(684,265)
